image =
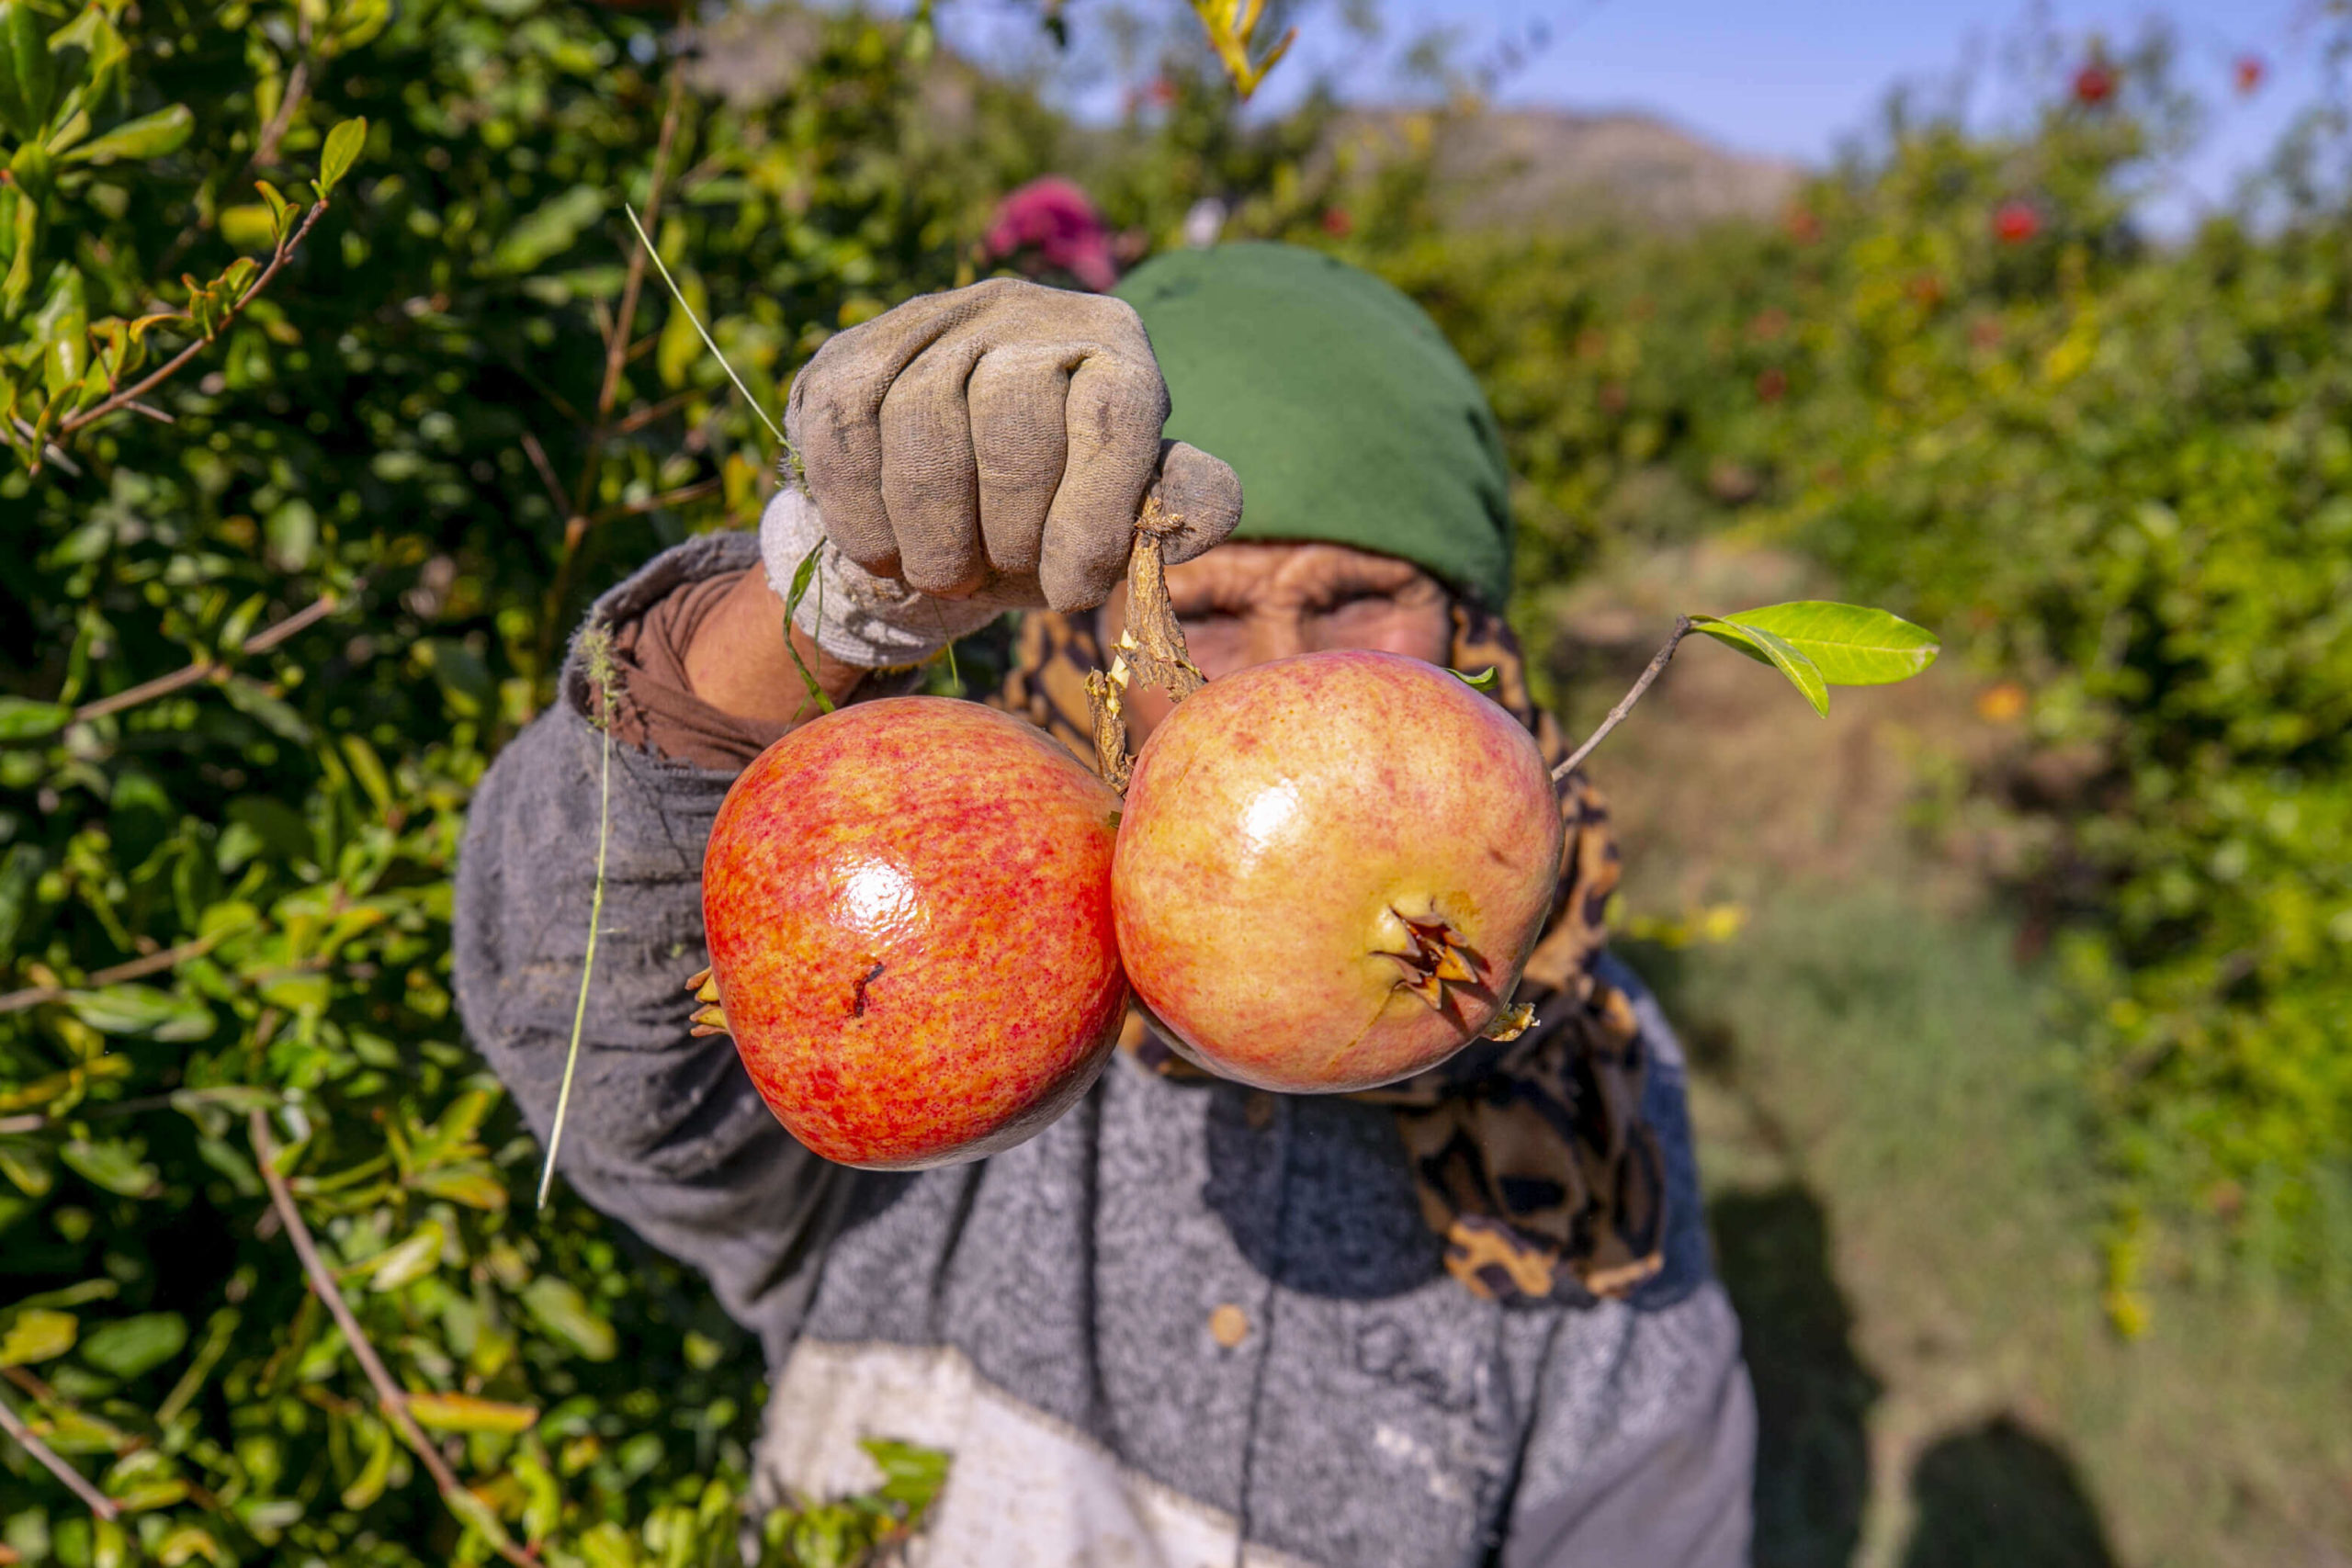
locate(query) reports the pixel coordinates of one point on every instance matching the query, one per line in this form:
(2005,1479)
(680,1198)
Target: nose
(1277,634)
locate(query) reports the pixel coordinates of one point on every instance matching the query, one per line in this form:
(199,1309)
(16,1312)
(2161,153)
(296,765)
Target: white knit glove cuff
(875,623)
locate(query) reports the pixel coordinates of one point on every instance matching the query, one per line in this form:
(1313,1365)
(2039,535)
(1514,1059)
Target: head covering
(1338,402)
(1531,1157)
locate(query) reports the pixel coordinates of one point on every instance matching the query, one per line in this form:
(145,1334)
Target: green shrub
(257,657)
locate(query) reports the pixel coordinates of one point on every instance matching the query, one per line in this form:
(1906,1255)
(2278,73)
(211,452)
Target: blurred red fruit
(1337,223)
(2015,223)
(2094,83)
(1771,383)
(2249,73)
(1804,227)
(1161,92)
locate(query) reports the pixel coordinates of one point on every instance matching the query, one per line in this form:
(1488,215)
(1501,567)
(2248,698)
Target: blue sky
(1790,77)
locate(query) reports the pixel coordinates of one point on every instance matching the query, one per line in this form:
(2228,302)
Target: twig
(158,415)
(206,669)
(137,968)
(98,1501)
(677,497)
(616,334)
(51,452)
(298,82)
(539,456)
(617,340)
(171,367)
(1625,704)
(390,1397)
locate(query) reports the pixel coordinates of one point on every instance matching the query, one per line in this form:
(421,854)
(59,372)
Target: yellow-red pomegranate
(907,905)
(1331,869)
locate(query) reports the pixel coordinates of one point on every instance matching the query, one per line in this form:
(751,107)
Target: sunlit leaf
(27,75)
(111,1164)
(1770,648)
(130,1346)
(410,1260)
(564,1313)
(36,1336)
(1850,645)
(341,150)
(150,136)
(24,719)
(141,1010)
(465,1413)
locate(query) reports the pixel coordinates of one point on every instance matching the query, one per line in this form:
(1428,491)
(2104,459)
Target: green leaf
(36,1334)
(548,229)
(28,74)
(130,1346)
(564,1313)
(470,1182)
(141,1010)
(1484,682)
(24,719)
(465,1413)
(1770,648)
(409,1261)
(802,575)
(112,1165)
(341,150)
(150,136)
(1852,645)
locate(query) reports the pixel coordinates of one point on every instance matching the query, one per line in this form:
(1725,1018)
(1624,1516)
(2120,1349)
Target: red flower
(2015,223)
(1771,383)
(2249,73)
(1054,218)
(1337,223)
(2094,84)
(1803,226)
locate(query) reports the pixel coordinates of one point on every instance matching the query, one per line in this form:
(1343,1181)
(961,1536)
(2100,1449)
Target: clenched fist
(994,445)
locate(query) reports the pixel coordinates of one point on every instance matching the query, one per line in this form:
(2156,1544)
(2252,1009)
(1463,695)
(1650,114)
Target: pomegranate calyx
(709,1018)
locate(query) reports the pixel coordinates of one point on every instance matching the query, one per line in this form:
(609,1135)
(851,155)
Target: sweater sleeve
(1643,1444)
(664,1132)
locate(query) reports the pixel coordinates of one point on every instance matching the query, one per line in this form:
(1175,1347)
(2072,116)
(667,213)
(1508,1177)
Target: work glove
(979,450)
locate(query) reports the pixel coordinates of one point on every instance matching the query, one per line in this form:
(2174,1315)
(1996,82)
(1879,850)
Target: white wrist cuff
(876,622)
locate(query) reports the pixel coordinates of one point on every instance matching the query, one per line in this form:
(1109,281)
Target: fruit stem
(1151,647)
(1626,706)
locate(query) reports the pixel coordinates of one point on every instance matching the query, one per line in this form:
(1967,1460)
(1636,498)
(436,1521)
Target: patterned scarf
(1531,1156)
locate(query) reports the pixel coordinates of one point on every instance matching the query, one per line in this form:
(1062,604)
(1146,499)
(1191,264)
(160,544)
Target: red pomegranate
(1331,869)
(908,903)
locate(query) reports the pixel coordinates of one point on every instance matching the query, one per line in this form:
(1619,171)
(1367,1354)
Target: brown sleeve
(656,709)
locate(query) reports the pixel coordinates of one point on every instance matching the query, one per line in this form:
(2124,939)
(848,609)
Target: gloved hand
(978,450)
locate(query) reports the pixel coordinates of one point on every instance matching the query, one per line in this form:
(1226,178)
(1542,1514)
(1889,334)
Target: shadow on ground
(1998,1494)
(1812,1393)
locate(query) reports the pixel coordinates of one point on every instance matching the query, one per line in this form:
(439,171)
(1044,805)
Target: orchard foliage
(261,638)
(2114,473)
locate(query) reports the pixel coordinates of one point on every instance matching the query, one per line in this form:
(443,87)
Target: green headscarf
(1336,399)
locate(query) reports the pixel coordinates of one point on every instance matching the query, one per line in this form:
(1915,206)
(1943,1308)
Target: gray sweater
(1183,1325)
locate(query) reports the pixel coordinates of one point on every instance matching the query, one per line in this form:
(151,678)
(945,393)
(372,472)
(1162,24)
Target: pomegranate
(1331,869)
(908,903)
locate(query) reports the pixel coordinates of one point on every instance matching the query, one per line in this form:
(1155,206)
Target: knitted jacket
(1185,1326)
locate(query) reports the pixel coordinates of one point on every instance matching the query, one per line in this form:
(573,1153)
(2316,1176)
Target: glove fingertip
(1205,495)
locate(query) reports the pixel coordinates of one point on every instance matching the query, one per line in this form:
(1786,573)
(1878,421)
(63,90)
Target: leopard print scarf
(1530,1157)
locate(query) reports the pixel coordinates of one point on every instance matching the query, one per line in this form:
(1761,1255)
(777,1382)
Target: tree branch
(137,969)
(390,1397)
(173,366)
(206,669)
(1617,714)
(98,1501)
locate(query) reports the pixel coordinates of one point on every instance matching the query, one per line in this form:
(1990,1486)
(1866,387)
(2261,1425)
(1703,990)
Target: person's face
(1247,602)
